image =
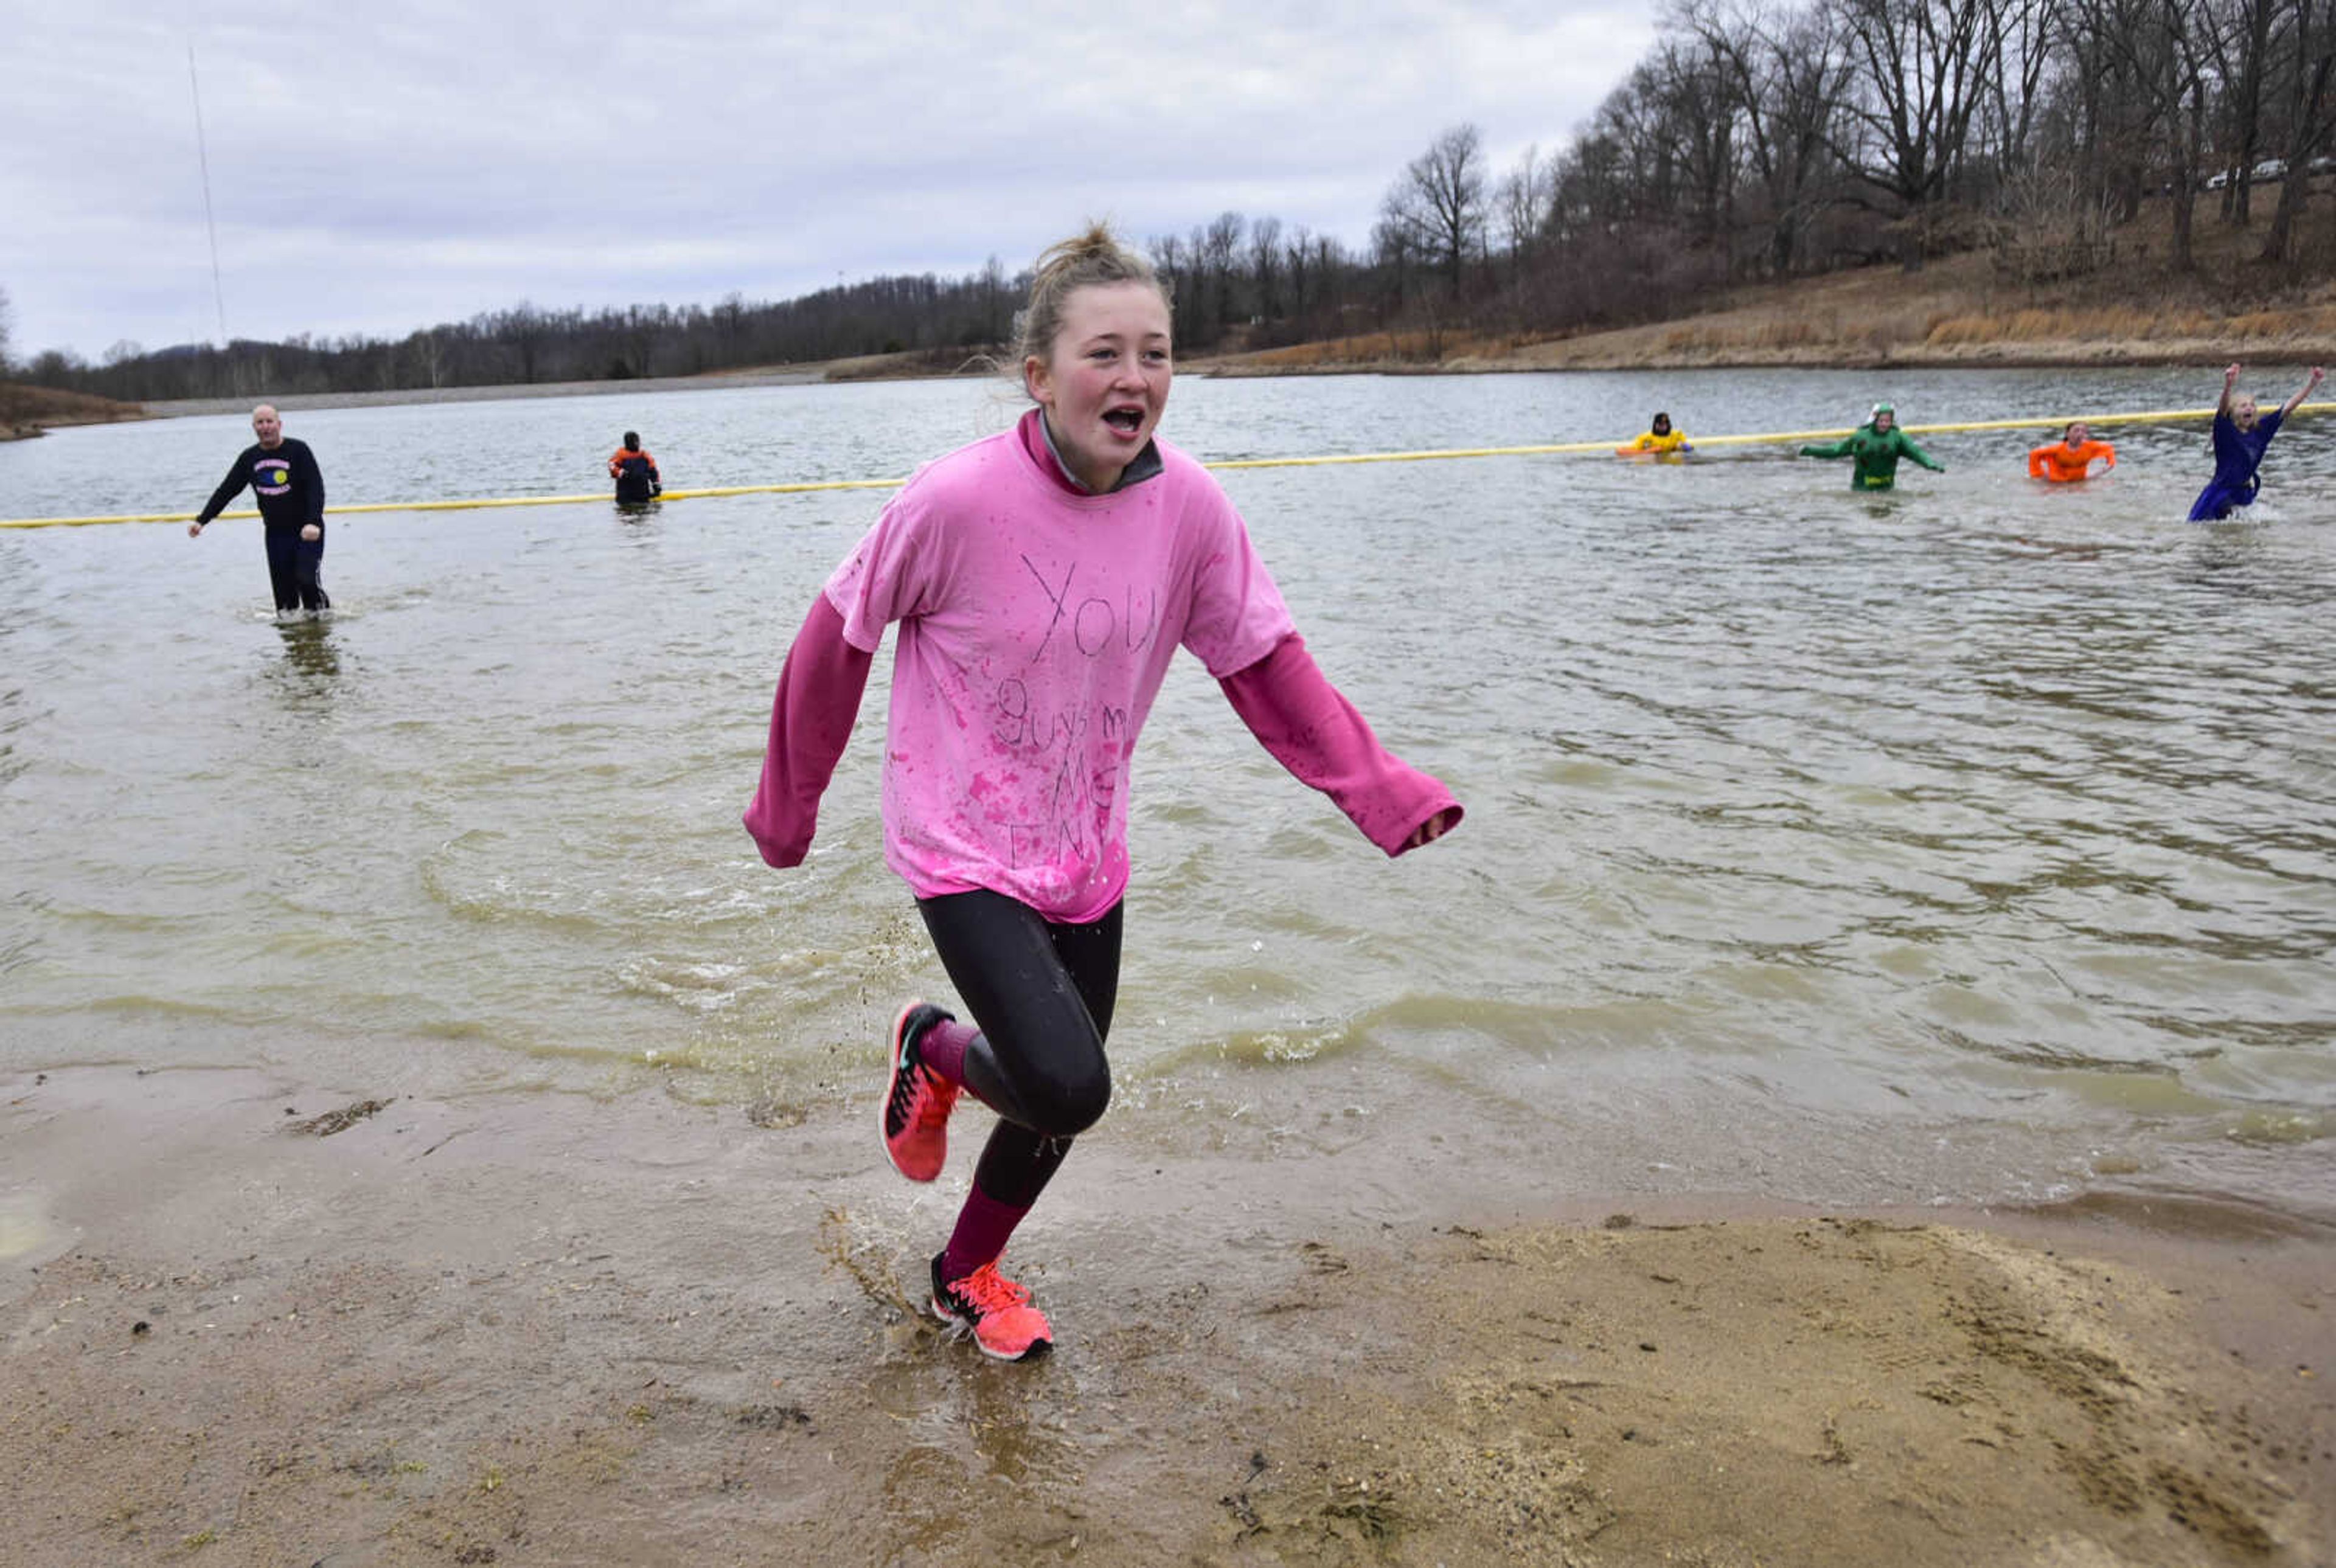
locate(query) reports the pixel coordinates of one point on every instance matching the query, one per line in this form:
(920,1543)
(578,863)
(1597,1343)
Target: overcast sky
(375,168)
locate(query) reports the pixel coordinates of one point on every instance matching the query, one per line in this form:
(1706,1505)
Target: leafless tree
(2177,41)
(1438,202)
(1926,66)
(1265,264)
(1790,80)
(1523,199)
(1298,263)
(1700,111)
(2250,39)
(1221,250)
(1168,262)
(1394,257)
(2027,37)
(2312,127)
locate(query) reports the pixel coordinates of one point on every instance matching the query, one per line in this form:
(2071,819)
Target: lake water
(1975,842)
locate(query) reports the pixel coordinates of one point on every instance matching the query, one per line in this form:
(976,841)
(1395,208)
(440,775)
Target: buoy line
(1547,449)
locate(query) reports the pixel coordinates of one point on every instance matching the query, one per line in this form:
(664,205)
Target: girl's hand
(1434,828)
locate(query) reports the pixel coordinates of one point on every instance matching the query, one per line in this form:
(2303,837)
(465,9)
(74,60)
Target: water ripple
(1846,832)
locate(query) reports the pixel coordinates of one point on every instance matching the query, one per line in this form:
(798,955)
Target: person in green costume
(1876,446)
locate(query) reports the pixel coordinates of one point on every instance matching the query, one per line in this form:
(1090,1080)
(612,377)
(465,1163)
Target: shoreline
(255,1320)
(712,381)
(1591,353)
(1556,358)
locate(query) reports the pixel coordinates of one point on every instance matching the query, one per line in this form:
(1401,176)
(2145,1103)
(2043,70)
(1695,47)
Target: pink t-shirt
(1036,626)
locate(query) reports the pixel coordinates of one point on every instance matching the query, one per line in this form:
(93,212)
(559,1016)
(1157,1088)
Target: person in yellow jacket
(2071,458)
(1660,441)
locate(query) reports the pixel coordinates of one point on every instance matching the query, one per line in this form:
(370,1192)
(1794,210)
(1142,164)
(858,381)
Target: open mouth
(1126,421)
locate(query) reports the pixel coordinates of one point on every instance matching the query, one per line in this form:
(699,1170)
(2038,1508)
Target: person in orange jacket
(2072,456)
(635,472)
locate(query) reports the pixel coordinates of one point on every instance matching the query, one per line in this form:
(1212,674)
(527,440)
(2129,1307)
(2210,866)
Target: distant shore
(1958,312)
(1955,314)
(27,411)
(779,377)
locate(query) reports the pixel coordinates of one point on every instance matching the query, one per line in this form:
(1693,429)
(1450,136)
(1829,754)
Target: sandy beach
(255,1321)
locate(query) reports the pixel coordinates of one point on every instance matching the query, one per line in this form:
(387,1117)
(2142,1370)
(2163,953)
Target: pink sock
(942,1049)
(983,1228)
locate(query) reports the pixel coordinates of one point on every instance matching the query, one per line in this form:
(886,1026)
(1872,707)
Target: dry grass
(28,410)
(1956,310)
(2132,323)
(1371,350)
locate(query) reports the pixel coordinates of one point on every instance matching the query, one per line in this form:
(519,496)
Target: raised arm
(2230,380)
(2293,404)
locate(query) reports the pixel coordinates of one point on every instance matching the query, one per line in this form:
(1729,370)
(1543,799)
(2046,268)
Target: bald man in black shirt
(290,489)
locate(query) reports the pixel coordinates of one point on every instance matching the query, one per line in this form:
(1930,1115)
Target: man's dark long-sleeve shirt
(286,481)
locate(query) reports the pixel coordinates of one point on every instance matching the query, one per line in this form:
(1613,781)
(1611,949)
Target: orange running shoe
(914,1116)
(995,1310)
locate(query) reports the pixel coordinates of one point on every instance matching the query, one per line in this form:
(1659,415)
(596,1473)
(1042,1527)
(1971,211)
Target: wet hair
(1660,418)
(633,439)
(2069,429)
(1087,261)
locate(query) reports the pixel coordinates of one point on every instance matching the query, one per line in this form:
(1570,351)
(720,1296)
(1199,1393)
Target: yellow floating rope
(597,498)
(2160,416)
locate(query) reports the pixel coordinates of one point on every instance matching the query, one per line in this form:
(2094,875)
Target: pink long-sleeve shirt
(1036,623)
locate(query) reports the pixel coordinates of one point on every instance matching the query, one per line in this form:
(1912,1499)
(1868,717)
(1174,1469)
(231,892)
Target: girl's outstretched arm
(2230,380)
(812,716)
(1296,714)
(2318,375)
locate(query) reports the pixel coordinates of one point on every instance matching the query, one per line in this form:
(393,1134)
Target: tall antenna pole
(202,155)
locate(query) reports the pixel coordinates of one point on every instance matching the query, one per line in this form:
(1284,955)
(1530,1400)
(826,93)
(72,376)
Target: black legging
(1041,994)
(296,569)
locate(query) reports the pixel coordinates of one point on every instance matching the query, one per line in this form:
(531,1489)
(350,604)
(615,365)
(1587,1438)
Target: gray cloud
(387,168)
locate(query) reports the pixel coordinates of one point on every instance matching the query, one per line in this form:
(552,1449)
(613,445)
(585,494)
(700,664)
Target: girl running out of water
(1042,580)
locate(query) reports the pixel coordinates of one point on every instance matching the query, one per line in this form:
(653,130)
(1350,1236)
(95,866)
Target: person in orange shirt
(2072,456)
(635,472)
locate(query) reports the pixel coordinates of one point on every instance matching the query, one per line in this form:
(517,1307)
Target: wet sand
(254,1321)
